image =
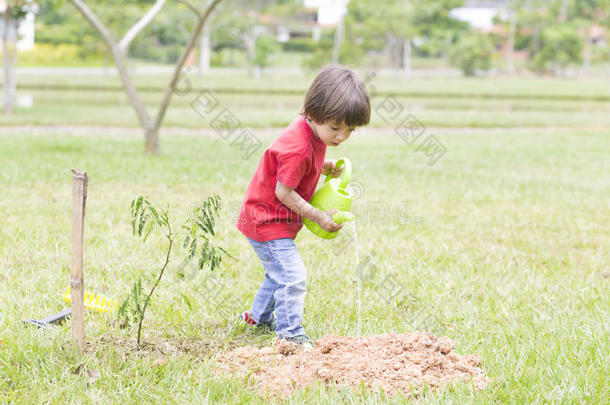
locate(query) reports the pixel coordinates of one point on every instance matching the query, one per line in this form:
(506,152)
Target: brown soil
(392,363)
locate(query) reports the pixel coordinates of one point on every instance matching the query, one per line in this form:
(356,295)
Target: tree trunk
(586,60)
(406,56)
(338,40)
(250,43)
(150,132)
(608,65)
(9,52)
(151,141)
(106,63)
(204,51)
(257,72)
(510,43)
(563,11)
(536,47)
(316,33)
(119,52)
(395,49)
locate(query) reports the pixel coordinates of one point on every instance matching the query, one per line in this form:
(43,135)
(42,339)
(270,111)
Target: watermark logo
(222,120)
(408,128)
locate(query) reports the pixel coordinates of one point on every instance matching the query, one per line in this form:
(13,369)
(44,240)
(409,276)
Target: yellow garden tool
(91,301)
(95,301)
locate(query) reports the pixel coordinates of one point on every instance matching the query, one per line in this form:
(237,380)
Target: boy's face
(332,133)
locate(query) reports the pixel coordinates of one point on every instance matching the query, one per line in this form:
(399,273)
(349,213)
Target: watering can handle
(345,176)
(343,216)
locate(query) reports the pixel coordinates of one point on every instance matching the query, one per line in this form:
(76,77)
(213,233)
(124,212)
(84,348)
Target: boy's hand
(330,167)
(325,220)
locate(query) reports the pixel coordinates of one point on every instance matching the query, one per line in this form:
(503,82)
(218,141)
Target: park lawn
(261,110)
(579,88)
(502,245)
(152,98)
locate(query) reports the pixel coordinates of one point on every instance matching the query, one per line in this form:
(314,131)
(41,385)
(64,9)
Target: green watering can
(333,195)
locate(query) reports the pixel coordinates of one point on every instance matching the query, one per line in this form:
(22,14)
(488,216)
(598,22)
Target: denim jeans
(283,288)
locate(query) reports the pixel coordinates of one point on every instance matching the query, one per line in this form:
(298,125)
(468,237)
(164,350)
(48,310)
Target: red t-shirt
(295,159)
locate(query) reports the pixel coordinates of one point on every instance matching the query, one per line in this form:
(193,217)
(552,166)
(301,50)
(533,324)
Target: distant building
(481,14)
(25,31)
(329,12)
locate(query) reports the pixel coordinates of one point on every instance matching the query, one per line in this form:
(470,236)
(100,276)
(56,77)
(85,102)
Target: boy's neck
(311,127)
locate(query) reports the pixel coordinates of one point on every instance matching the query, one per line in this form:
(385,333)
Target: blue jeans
(283,288)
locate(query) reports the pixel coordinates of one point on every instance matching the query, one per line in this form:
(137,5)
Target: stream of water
(359,275)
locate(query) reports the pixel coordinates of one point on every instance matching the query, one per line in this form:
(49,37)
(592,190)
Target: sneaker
(270,325)
(303,340)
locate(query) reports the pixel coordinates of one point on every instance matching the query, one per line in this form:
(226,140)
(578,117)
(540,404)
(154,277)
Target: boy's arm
(296,203)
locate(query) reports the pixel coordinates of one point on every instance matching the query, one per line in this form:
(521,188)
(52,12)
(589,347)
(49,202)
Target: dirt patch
(392,363)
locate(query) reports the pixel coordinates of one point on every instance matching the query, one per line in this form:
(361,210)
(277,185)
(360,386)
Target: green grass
(503,242)
(274,101)
(111,108)
(496,86)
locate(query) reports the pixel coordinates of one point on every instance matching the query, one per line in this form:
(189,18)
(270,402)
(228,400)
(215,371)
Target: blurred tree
(391,26)
(437,30)
(265,46)
(550,32)
(472,53)
(556,32)
(62,25)
(383,25)
(238,27)
(12,15)
(604,19)
(57,25)
(350,51)
(230,27)
(514,7)
(586,14)
(559,46)
(119,54)
(322,52)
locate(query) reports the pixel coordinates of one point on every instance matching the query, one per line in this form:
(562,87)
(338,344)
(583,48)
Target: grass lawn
(71,107)
(502,245)
(274,101)
(494,86)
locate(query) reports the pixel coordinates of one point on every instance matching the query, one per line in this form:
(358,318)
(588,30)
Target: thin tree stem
(169,250)
(140,25)
(189,5)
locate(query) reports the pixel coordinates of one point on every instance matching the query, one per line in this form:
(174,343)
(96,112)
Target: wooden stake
(77,282)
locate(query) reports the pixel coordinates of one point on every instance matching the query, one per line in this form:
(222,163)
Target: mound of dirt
(392,363)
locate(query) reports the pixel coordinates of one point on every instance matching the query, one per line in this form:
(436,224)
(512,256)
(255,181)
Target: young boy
(277,197)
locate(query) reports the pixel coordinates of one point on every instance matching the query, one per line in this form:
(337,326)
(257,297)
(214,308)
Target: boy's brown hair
(337,95)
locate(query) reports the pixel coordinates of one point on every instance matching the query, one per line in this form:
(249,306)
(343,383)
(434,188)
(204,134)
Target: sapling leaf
(131,308)
(193,248)
(139,202)
(147,229)
(152,209)
(143,220)
(226,253)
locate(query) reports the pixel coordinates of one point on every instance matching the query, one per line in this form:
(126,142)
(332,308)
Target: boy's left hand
(330,167)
